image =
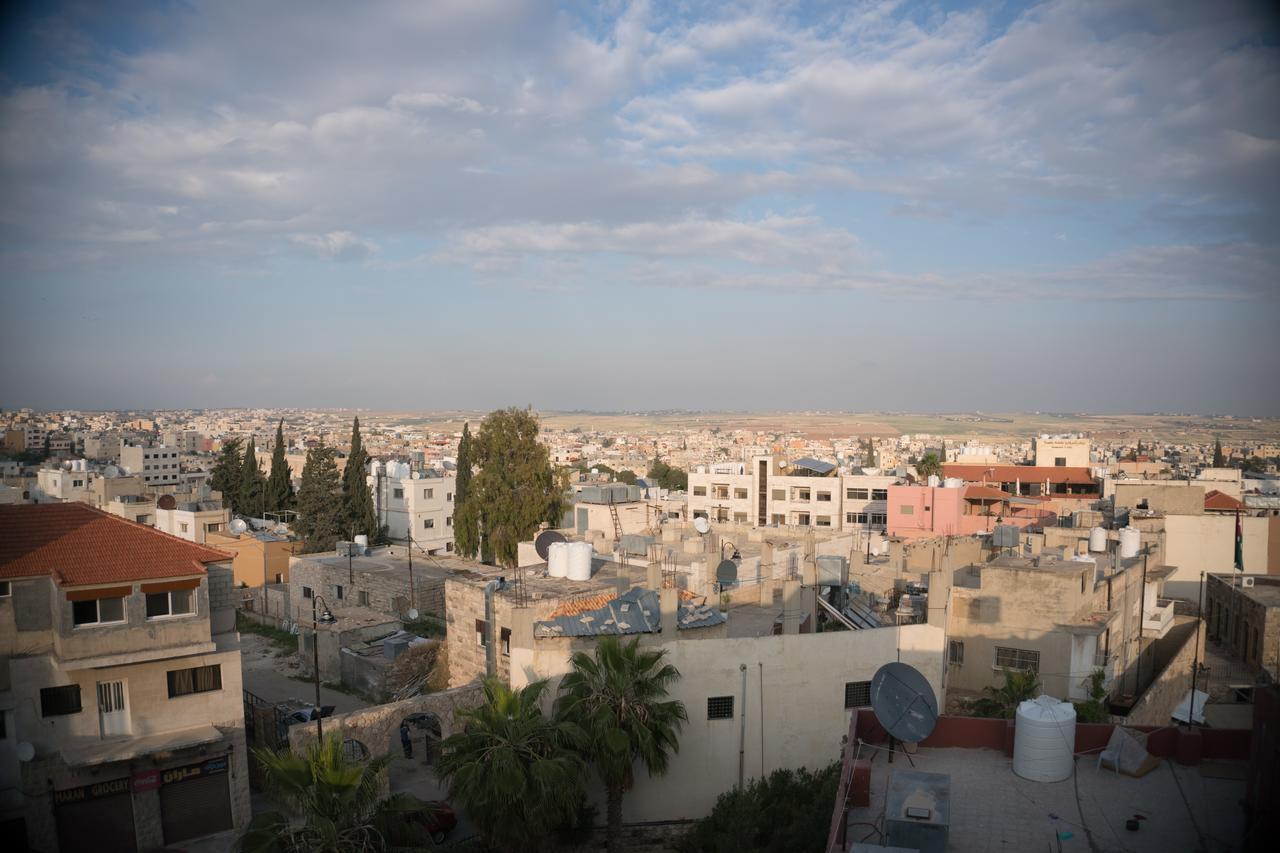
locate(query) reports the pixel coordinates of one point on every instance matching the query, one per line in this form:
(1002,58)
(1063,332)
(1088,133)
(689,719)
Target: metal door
(113,708)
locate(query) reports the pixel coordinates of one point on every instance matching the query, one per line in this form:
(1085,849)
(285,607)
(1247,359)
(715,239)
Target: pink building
(959,511)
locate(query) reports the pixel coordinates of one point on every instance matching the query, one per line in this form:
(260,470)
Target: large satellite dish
(701,524)
(166,502)
(726,572)
(239,526)
(903,702)
(111,472)
(545,540)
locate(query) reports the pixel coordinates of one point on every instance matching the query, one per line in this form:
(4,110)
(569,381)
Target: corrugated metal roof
(637,611)
(815,465)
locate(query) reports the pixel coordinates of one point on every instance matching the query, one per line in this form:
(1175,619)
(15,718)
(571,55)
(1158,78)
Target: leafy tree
(225,476)
(515,489)
(929,466)
(788,810)
(1094,709)
(516,772)
(628,477)
(253,483)
(335,803)
(667,476)
(1002,702)
(320,516)
(618,696)
(280,484)
(1219,461)
(357,499)
(466,531)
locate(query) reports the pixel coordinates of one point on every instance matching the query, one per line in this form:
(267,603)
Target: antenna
(544,542)
(904,704)
(701,525)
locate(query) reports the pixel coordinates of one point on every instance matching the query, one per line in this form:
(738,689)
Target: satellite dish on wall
(239,526)
(167,502)
(545,540)
(701,524)
(727,572)
(903,701)
(413,613)
(111,472)
(25,751)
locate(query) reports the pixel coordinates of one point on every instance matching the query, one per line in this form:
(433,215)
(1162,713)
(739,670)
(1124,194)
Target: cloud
(337,246)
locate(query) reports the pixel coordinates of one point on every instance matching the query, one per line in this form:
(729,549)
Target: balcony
(1156,622)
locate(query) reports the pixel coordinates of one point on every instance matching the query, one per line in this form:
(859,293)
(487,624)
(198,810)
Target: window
(77,483)
(878,518)
(823,521)
(857,694)
(338,591)
(879,494)
(1059,461)
(699,491)
(175,603)
(824,496)
(505,641)
(955,652)
(802,519)
(448,546)
(428,493)
(778,518)
(448,521)
(363,598)
(183,527)
(482,631)
(801,495)
(720,708)
(448,496)
(740,518)
(306,592)
(907,509)
(58,701)
(740,494)
(5,589)
(779,494)
(856,494)
(397,493)
(855,518)
(197,679)
(97,611)
(428,523)
(1009,658)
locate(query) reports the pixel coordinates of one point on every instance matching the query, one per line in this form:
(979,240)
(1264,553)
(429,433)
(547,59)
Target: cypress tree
(466,531)
(225,476)
(320,517)
(280,483)
(253,483)
(1218,460)
(357,499)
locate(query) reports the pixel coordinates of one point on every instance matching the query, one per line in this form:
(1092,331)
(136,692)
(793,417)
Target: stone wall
(1173,680)
(388,592)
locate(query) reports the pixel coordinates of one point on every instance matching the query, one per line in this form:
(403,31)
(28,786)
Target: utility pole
(1195,662)
(412,603)
(315,659)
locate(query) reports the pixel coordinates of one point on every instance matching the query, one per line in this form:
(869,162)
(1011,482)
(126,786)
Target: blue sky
(470,203)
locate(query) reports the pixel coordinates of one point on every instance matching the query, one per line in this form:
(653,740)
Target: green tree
(667,476)
(628,477)
(1003,701)
(789,810)
(929,466)
(1219,461)
(1094,709)
(330,803)
(253,483)
(515,489)
(357,499)
(280,495)
(516,772)
(466,531)
(225,476)
(320,517)
(618,695)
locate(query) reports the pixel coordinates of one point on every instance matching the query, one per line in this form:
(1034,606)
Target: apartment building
(191,520)
(417,503)
(1062,451)
(119,684)
(158,466)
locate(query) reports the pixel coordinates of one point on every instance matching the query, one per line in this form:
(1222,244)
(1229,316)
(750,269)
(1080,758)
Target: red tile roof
(1221,501)
(1025,473)
(79,545)
(984,493)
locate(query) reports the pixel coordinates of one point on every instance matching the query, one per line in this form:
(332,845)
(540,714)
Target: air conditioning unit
(1246,582)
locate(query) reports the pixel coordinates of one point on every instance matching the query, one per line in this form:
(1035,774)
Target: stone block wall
(1173,681)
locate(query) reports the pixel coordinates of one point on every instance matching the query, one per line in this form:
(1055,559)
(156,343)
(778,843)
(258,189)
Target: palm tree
(516,772)
(929,466)
(1019,686)
(334,804)
(618,696)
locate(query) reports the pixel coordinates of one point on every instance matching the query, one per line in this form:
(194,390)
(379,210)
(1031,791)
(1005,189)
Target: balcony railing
(1156,622)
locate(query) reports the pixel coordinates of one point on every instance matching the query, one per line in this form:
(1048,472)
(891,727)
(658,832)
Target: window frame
(170,614)
(1015,654)
(47,695)
(6,589)
(854,690)
(195,690)
(716,708)
(955,652)
(97,609)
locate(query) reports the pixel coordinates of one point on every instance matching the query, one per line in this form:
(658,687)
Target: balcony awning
(93,752)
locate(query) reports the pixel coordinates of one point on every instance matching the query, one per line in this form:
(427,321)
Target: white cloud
(337,245)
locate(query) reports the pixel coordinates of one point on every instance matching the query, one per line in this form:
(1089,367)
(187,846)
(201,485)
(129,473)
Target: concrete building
(157,465)
(388,581)
(596,507)
(191,520)
(102,448)
(122,673)
(1061,451)
(417,502)
(960,510)
(1030,481)
(1243,615)
(59,483)
(259,557)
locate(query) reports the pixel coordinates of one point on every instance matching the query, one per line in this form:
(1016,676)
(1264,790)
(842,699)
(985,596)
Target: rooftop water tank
(1097,539)
(579,561)
(1129,540)
(1044,739)
(953,482)
(558,559)
(934,481)
(362,544)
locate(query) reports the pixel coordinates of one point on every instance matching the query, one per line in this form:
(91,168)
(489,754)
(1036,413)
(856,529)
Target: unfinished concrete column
(669,602)
(791,607)
(653,576)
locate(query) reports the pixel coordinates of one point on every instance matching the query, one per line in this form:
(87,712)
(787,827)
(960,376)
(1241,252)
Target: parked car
(437,817)
(309,714)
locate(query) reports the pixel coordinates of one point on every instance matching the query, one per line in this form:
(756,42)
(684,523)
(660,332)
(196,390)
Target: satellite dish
(111,472)
(239,526)
(903,702)
(25,751)
(782,463)
(727,572)
(413,613)
(545,540)
(166,502)
(701,524)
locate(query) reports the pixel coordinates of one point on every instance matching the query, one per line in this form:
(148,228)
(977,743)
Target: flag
(1239,544)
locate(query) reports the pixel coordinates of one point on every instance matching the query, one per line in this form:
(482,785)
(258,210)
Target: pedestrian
(405,741)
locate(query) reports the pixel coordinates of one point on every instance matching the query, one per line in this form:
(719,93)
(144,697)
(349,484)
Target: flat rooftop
(992,809)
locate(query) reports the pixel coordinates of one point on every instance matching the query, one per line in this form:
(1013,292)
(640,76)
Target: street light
(327,616)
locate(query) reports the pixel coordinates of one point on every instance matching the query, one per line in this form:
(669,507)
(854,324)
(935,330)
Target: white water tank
(558,559)
(1129,539)
(1097,539)
(362,541)
(1044,739)
(934,481)
(580,561)
(953,482)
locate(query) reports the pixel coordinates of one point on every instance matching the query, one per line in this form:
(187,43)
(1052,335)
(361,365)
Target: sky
(1065,206)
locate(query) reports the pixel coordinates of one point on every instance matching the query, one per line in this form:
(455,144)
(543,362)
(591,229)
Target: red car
(437,817)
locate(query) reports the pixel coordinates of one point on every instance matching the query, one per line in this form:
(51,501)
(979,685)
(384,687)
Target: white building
(417,501)
(158,466)
(1062,451)
(191,520)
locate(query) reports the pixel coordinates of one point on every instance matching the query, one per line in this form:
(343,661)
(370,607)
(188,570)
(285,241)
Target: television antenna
(904,704)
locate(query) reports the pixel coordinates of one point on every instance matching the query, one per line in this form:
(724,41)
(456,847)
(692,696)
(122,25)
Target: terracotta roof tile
(79,545)
(1025,473)
(595,602)
(1215,499)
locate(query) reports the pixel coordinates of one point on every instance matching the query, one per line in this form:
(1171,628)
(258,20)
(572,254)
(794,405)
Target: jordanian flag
(1239,544)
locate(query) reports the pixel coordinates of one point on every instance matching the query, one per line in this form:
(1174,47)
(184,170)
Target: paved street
(268,675)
